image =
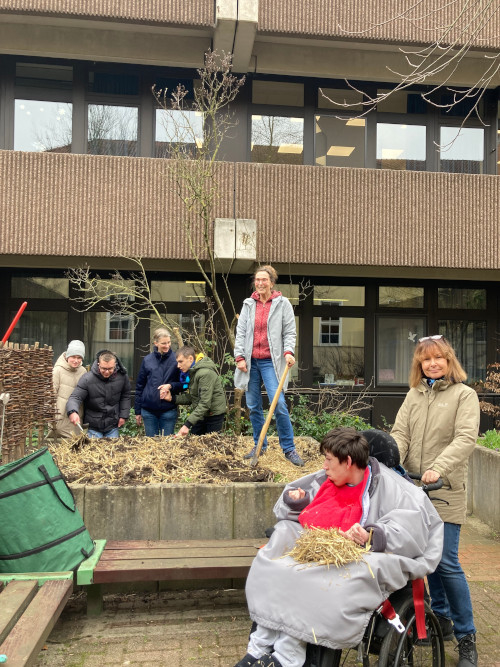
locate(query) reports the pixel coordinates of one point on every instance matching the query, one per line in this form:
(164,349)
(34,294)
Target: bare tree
(452,42)
(195,129)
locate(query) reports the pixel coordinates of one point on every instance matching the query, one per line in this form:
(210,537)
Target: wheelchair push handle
(434,486)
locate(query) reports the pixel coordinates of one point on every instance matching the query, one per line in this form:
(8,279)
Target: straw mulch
(326,546)
(209,459)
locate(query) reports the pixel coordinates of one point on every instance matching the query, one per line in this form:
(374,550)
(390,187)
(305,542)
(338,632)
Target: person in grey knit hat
(67,371)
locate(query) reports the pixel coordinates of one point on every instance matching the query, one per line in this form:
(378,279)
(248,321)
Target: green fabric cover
(40,528)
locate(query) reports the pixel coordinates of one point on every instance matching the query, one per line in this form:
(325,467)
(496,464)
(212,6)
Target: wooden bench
(164,560)
(29,608)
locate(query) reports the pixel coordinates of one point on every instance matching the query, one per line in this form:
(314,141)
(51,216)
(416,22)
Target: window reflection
(462,150)
(450,297)
(190,291)
(278,92)
(44,327)
(112,130)
(340,142)
(176,128)
(401,101)
(401,147)
(393,296)
(468,338)
(44,75)
(338,350)
(42,126)
(277,139)
(105,331)
(396,339)
(39,288)
(334,295)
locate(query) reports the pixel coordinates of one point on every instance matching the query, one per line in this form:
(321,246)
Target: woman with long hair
(436,430)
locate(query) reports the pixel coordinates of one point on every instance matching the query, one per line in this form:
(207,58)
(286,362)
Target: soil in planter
(209,459)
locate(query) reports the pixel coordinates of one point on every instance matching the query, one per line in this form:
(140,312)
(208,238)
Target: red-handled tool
(14,322)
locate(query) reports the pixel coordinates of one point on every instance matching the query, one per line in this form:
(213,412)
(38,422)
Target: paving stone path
(210,629)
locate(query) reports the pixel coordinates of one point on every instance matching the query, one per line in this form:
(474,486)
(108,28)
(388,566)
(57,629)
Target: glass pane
(42,126)
(469,341)
(177,127)
(291,292)
(342,96)
(278,92)
(498,144)
(325,295)
(401,147)
(190,326)
(112,130)
(44,327)
(338,351)
(462,107)
(449,297)
(396,339)
(41,75)
(401,102)
(40,288)
(462,150)
(340,142)
(277,139)
(190,291)
(401,297)
(105,331)
(113,83)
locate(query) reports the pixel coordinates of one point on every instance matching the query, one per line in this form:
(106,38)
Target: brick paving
(210,628)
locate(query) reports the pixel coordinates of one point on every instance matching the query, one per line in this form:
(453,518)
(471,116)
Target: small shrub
(491,440)
(306,422)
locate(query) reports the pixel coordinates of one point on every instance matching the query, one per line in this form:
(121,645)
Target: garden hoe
(269,417)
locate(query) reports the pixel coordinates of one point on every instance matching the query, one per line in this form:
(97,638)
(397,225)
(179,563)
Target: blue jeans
(162,425)
(112,433)
(450,596)
(262,371)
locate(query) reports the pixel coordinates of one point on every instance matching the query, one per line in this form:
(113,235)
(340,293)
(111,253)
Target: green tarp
(40,528)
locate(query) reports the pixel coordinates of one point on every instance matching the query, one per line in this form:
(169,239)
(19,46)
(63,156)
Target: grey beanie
(75,349)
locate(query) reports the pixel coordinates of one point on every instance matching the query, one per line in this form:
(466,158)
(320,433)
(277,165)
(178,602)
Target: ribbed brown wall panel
(193,12)
(376,19)
(368,217)
(97,206)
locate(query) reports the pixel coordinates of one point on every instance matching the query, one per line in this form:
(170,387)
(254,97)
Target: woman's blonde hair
(273,274)
(161,332)
(455,373)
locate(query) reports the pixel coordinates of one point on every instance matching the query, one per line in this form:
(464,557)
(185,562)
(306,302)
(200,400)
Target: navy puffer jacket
(156,369)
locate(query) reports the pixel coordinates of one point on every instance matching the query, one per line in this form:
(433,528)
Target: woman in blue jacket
(157,369)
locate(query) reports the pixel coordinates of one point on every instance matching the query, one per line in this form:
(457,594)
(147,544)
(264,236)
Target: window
(44,327)
(190,291)
(113,83)
(176,127)
(42,126)
(112,130)
(462,150)
(119,327)
(43,75)
(277,139)
(401,101)
(467,299)
(39,288)
(282,93)
(336,98)
(468,339)
(340,142)
(396,339)
(390,296)
(338,295)
(338,353)
(401,147)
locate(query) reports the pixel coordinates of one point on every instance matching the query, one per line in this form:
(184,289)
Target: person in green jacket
(204,393)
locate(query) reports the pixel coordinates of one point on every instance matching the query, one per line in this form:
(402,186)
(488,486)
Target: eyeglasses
(106,369)
(437,337)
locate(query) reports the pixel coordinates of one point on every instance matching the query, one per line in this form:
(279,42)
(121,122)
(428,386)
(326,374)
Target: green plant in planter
(491,440)
(130,427)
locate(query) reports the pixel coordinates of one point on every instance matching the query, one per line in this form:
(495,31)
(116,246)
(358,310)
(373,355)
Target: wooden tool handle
(269,416)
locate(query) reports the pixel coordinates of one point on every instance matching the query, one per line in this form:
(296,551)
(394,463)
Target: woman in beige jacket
(436,430)
(67,371)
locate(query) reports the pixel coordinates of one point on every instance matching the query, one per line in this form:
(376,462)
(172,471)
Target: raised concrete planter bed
(177,511)
(483,498)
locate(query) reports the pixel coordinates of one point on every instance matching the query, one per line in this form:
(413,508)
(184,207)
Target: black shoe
(294,458)
(446,626)
(466,651)
(251,453)
(247,661)
(267,661)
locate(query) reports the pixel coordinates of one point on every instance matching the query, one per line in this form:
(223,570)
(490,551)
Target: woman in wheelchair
(293,605)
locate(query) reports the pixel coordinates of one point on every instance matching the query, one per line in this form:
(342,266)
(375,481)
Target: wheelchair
(383,645)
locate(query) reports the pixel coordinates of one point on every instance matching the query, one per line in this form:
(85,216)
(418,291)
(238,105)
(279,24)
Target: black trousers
(210,424)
